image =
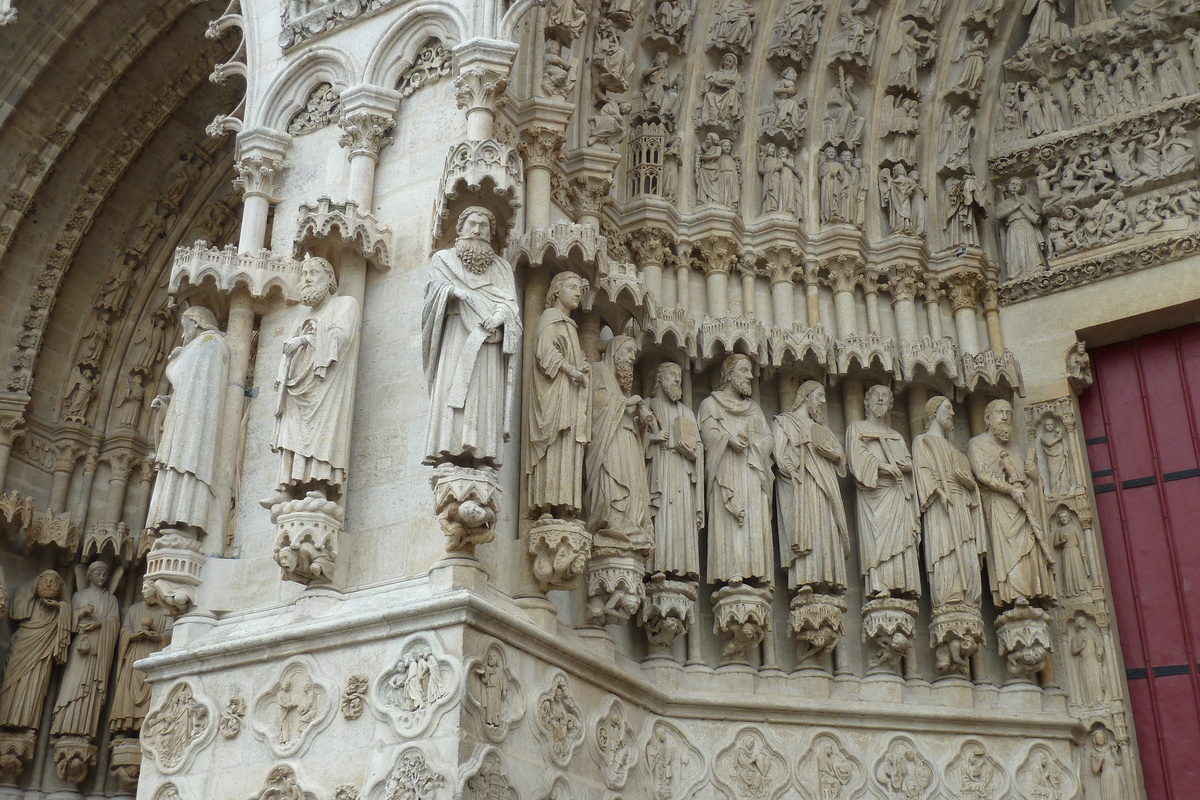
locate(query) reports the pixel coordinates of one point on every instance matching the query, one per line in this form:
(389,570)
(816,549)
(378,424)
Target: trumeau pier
(672,399)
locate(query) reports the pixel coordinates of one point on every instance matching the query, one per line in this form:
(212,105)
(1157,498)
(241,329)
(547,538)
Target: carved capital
(991,296)
(842,273)
(715,255)
(652,246)
(904,282)
(590,194)
(783,264)
(541,147)
(12,426)
(365,132)
(122,463)
(964,289)
(66,455)
(256,175)
(483,68)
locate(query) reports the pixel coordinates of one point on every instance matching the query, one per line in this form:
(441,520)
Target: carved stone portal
(1024,638)
(73,756)
(615,589)
(560,550)
(667,613)
(173,568)
(417,688)
(494,692)
(888,629)
(743,615)
(288,715)
(306,544)
(817,622)
(559,722)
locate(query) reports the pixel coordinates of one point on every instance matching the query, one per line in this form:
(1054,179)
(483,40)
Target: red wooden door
(1141,422)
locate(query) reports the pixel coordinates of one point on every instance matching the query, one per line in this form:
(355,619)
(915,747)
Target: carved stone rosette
(16,750)
(306,541)
(888,630)
(818,623)
(955,634)
(1023,634)
(125,762)
(560,550)
(73,757)
(668,611)
(466,501)
(615,589)
(173,568)
(742,615)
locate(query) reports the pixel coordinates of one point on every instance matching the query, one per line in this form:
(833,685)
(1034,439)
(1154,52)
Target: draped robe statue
(146,629)
(186,454)
(737,465)
(471,331)
(617,490)
(888,526)
(955,534)
(41,641)
(1019,557)
(316,390)
(813,536)
(96,621)
(558,404)
(676,468)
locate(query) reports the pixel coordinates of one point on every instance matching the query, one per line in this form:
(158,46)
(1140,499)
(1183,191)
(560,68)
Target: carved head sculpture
(726,146)
(1062,517)
(474,243)
(97,573)
(879,402)
(812,395)
(1015,186)
(998,416)
(49,585)
(476,222)
(830,154)
(1081,620)
(846,157)
(566,289)
(942,410)
(620,353)
(317,280)
(729,62)
(789,74)
(1043,83)
(195,320)
(737,372)
(669,380)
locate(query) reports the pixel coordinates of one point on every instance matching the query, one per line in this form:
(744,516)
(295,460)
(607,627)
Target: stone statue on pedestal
(96,621)
(737,450)
(676,467)
(316,390)
(1020,558)
(146,629)
(41,641)
(888,527)
(813,536)
(471,332)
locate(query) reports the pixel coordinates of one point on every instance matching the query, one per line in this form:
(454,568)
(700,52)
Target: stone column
(483,69)
(258,162)
(683,285)
(933,309)
(716,278)
(812,294)
(843,277)
(748,273)
(590,194)
(651,246)
(368,117)
(991,315)
(239,335)
(964,294)
(122,463)
(903,286)
(65,457)
(12,424)
(871,295)
(541,148)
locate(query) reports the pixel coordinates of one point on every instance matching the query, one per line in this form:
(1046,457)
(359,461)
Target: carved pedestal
(16,749)
(817,622)
(667,613)
(173,571)
(1023,636)
(615,589)
(466,501)
(73,756)
(125,762)
(560,550)
(743,615)
(306,542)
(955,634)
(888,631)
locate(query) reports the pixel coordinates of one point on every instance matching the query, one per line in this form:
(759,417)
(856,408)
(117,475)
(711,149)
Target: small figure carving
(732,27)
(610,59)
(412,778)
(130,400)
(1104,763)
(737,449)
(671,19)
(1167,73)
(797,30)
(231,718)
(566,19)
(560,721)
(855,40)
(1087,646)
(965,206)
(912,48)
(888,526)
(172,731)
(43,634)
(958,131)
(901,195)
(497,695)
(1046,23)
(814,538)
(843,124)
(1054,459)
(607,126)
(315,383)
(81,391)
(1022,237)
(471,332)
(972,55)
(146,629)
(721,102)
(614,745)
(718,174)
(354,698)
(1079,367)
(676,468)
(96,621)
(902,115)
(791,115)
(558,429)
(903,772)
(1090,11)
(660,91)
(1020,559)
